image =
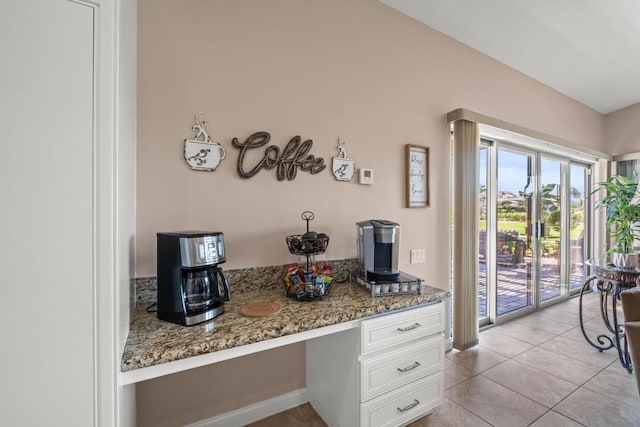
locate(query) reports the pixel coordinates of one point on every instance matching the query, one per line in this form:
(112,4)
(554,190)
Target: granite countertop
(153,342)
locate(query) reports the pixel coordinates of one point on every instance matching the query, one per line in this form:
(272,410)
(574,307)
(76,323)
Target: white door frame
(493,145)
(105,208)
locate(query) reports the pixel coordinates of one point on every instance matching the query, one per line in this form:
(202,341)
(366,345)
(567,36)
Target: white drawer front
(403,405)
(386,331)
(397,368)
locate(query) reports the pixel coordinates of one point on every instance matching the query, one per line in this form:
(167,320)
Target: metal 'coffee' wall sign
(295,155)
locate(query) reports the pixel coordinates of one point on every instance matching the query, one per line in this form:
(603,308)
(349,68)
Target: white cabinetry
(397,367)
(388,372)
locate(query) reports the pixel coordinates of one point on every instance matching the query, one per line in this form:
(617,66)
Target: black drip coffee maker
(191,287)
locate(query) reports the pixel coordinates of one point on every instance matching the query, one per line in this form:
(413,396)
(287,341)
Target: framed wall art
(417,179)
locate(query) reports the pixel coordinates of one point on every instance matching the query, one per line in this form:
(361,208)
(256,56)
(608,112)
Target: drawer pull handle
(415,403)
(409,328)
(408,368)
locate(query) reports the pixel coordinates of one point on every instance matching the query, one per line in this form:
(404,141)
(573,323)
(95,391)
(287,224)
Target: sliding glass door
(512,231)
(483,244)
(531,229)
(579,223)
(550,228)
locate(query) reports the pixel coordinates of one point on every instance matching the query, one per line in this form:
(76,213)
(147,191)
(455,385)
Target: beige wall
(319,69)
(198,394)
(622,129)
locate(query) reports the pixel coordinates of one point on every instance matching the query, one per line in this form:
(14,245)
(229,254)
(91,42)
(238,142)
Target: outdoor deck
(513,291)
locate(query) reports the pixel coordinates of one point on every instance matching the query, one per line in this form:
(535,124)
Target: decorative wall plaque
(295,154)
(342,166)
(200,152)
(417,179)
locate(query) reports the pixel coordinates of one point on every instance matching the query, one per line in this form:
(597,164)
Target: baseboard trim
(448,344)
(256,411)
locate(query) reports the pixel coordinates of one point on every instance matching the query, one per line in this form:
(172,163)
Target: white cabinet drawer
(394,369)
(386,331)
(403,405)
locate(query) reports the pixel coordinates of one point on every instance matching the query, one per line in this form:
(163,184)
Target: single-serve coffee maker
(378,249)
(191,287)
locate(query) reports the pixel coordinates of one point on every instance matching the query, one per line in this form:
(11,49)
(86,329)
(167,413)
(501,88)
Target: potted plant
(623,211)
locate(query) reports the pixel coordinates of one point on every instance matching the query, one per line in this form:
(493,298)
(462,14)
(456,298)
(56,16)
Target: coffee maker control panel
(207,251)
(202,250)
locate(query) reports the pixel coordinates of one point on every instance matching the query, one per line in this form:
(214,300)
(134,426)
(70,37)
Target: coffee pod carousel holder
(405,285)
(312,281)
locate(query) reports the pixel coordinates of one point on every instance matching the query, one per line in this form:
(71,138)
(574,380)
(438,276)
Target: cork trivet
(259,309)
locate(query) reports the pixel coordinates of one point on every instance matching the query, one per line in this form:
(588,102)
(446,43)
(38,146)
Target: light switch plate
(417,256)
(366,176)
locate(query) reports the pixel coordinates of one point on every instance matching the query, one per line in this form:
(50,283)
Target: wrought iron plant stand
(610,281)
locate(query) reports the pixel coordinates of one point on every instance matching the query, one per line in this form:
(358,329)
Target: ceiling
(588,50)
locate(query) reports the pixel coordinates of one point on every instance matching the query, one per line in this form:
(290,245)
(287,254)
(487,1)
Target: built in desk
(155,348)
(369,360)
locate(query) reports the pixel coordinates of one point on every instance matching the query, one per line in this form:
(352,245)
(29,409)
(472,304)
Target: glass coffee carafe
(198,291)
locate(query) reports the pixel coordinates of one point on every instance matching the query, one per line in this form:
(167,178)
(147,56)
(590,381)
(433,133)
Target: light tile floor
(534,371)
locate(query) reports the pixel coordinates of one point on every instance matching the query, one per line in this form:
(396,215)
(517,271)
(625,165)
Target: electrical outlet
(417,256)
